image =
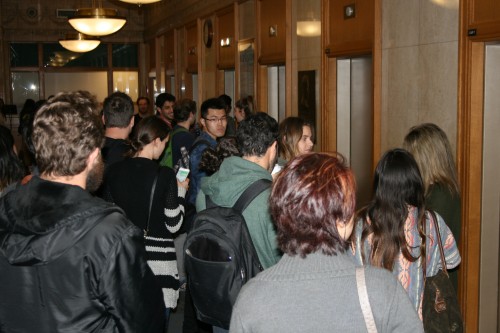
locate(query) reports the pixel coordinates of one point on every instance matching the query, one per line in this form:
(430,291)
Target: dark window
(23,55)
(54,55)
(125,55)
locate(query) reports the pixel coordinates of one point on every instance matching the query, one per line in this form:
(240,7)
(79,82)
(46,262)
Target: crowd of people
(94,215)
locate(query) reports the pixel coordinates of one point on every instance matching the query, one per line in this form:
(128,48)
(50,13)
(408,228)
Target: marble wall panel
(400,23)
(438,22)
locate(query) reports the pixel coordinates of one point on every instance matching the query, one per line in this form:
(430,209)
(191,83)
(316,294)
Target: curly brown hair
(66,130)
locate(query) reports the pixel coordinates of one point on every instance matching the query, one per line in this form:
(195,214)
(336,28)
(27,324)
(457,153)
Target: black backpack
(220,258)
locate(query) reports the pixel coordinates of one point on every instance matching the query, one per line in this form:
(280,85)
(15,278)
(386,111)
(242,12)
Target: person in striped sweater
(153,200)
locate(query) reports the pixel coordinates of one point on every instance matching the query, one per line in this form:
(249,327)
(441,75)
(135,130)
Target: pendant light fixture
(97,21)
(140,2)
(78,42)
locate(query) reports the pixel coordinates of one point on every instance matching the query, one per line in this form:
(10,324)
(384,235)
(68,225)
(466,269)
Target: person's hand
(184,184)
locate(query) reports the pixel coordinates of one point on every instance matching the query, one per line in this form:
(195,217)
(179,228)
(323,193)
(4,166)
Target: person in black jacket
(71,262)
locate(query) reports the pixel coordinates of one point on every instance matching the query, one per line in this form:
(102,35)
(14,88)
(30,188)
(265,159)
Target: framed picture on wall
(307,95)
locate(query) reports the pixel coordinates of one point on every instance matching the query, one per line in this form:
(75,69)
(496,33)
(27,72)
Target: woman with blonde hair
(431,149)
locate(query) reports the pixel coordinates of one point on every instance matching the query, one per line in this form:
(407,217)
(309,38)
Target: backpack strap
(246,197)
(198,142)
(251,193)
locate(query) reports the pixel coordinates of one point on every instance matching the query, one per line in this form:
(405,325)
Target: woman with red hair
(313,287)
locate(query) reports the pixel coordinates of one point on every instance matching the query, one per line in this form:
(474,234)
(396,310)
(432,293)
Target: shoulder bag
(440,309)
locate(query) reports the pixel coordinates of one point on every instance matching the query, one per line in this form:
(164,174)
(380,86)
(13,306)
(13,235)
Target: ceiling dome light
(140,2)
(97,21)
(78,42)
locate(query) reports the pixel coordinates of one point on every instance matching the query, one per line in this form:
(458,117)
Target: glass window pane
(23,55)
(24,85)
(54,55)
(125,55)
(126,82)
(94,82)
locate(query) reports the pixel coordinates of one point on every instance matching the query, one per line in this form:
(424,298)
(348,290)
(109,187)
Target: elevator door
(355,120)
(489,308)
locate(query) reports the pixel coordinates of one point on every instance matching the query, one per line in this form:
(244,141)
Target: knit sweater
(319,294)
(128,184)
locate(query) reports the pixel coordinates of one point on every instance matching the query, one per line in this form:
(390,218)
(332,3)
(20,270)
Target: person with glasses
(213,121)
(257,141)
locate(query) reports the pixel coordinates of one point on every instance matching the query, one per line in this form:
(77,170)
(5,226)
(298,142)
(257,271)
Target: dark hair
(256,134)
(27,130)
(211,103)
(291,130)
(310,196)
(397,183)
(162,98)
(118,109)
(211,159)
(147,130)
(227,100)
(140,98)
(65,132)
(245,105)
(183,109)
(26,114)
(11,168)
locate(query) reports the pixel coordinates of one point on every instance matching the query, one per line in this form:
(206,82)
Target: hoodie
(225,187)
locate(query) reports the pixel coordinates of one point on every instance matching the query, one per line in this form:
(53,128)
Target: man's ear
(102,118)
(91,160)
(132,122)
(202,122)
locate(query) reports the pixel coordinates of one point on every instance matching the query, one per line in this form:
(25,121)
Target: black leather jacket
(70,262)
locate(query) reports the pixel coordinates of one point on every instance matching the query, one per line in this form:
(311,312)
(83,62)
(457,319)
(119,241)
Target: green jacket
(226,185)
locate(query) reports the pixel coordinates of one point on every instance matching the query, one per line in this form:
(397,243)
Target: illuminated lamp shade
(97,21)
(309,28)
(140,2)
(79,42)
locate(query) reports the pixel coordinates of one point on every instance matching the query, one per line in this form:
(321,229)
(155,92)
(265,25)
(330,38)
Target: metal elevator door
(489,299)
(355,120)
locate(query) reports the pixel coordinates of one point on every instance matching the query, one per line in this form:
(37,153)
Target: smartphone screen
(182,174)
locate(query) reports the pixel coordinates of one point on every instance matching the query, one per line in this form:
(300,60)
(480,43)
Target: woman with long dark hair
(153,200)
(390,229)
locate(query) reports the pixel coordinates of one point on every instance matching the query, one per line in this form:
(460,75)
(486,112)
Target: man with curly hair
(72,262)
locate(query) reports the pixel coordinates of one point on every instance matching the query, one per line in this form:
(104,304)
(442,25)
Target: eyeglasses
(216,120)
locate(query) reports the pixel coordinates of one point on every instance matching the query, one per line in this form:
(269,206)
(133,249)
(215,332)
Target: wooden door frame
(470,153)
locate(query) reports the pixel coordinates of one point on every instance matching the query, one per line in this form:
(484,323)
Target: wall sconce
(226,42)
(192,50)
(273,30)
(349,11)
(309,28)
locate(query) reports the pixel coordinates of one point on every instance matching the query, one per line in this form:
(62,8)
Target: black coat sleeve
(128,287)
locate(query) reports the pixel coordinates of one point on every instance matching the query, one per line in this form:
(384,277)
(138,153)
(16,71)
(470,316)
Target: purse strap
(151,201)
(440,244)
(364,301)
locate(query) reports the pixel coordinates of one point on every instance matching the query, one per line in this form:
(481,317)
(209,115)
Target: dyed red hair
(310,196)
